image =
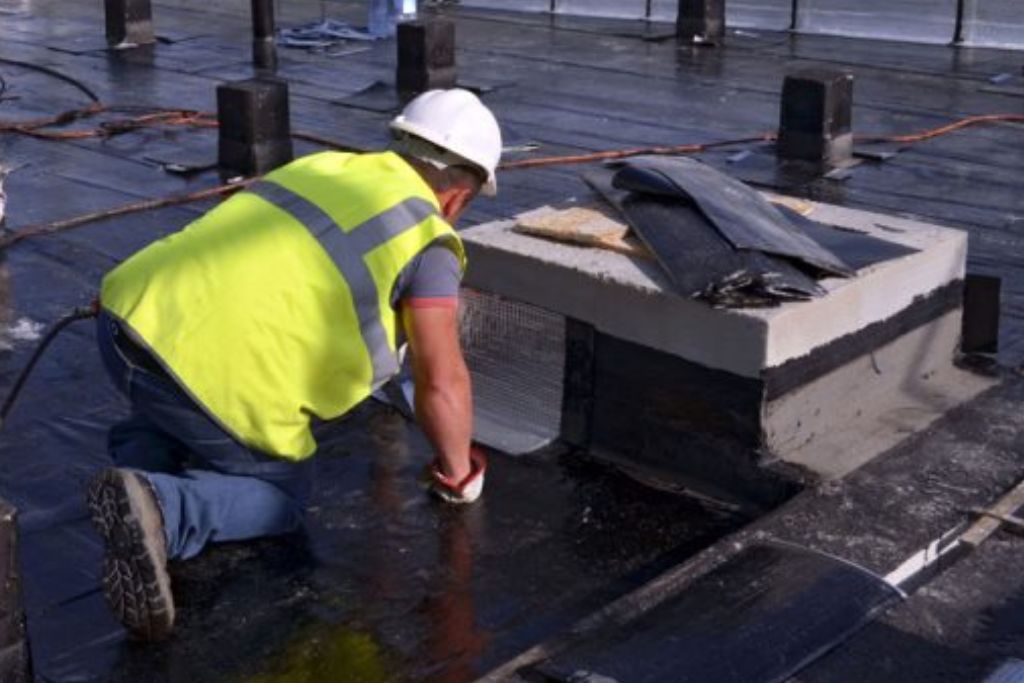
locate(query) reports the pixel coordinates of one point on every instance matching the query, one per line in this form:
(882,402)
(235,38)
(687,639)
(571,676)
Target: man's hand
(466,490)
(444,404)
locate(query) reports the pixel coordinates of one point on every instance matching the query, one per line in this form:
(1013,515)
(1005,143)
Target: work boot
(135,580)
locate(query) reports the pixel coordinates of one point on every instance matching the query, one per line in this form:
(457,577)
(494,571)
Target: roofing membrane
(390,573)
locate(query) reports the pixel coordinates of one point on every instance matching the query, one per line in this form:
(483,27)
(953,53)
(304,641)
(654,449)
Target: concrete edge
(627,297)
(732,341)
(879,292)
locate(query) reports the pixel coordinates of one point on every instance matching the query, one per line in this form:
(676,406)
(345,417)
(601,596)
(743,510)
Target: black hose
(86,90)
(77,314)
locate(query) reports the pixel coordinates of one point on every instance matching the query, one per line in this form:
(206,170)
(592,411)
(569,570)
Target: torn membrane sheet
(762,616)
(744,218)
(857,249)
(702,263)
(698,260)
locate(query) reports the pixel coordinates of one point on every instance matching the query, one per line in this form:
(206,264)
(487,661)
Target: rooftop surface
(389,586)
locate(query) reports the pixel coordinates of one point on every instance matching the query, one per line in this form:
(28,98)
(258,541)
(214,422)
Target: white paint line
(958,539)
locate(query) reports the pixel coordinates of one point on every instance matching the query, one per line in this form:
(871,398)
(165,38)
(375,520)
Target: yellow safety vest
(275,306)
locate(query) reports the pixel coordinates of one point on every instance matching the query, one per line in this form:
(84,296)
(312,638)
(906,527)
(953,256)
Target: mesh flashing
(516,356)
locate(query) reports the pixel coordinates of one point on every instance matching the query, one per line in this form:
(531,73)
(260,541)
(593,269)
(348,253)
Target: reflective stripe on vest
(348,251)
(274,308)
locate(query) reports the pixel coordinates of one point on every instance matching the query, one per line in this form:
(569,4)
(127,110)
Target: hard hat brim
(400,124)
(490,188)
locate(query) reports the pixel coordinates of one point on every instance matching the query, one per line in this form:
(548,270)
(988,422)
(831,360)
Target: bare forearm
(444,410)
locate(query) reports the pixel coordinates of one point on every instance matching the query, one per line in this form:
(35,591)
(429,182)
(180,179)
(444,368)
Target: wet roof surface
(961,627)
(386,579)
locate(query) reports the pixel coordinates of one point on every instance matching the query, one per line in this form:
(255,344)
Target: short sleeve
(431,280)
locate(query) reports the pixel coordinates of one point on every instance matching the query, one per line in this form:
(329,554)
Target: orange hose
(943,130)
(33,127)
(623,153)
(60,119)
(173,117)
(206,120)
(326,142)
(26,232)
(696,148)
(200,119)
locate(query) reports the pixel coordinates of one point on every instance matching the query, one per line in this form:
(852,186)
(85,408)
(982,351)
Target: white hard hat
(457,121)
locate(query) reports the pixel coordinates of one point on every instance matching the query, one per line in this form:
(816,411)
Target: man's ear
(454,200)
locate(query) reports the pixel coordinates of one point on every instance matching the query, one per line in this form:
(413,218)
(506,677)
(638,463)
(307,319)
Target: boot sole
(136,588)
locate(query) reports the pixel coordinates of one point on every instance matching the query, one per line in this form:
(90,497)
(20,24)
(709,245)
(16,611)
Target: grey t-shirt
(430,280)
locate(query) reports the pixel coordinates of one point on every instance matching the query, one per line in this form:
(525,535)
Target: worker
(286,303)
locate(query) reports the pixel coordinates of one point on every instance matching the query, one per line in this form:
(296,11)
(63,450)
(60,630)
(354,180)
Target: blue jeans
(209,486)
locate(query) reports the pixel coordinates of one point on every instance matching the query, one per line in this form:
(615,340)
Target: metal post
(958,31)
(264,52)
(14,658)
(701,21)
(129,23)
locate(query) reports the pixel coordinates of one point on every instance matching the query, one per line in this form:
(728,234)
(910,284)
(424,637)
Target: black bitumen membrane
(699,259)
(956,627)
(388,585)
(962,627)
(772,597)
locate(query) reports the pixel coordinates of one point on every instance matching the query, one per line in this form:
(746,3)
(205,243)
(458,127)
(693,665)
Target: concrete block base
(426,56)
(744,405)
(816,117)
(677,425)
(981,314)
(899,388)
(254,129)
